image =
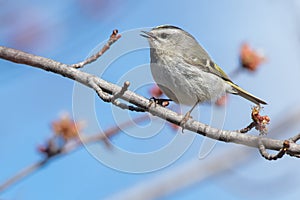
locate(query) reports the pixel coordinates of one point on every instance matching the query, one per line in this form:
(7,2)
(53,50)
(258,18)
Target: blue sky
(67,31)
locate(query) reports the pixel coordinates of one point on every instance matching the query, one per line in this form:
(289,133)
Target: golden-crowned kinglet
(185,72)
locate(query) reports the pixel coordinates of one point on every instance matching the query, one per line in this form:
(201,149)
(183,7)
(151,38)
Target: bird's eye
(164,35)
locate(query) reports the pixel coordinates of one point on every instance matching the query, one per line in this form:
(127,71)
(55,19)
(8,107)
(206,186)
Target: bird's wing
(207,65)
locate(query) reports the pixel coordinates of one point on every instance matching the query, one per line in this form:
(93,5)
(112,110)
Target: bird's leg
(187,116)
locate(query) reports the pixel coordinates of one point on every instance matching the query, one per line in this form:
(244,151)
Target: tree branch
(68,148)
(194,171)
(180,177)
(142,103)
(22,174)
(113,38)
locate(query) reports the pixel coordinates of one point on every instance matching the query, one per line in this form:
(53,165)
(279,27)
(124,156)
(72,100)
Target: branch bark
(106,90)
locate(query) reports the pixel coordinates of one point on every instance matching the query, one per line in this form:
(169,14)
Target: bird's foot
(184,120)
(156,101)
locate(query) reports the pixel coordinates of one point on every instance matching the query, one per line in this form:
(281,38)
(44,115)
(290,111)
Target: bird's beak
(148,35)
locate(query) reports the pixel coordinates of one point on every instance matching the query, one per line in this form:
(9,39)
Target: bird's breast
(184,83)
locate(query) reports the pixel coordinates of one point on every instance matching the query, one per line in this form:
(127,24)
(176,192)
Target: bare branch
(22,174)
(113,98)
(141,102)
(248,128)
(113,38)
(269,156)
(104,96)
(181,177)
(121,92)
(282,151)
(295,138)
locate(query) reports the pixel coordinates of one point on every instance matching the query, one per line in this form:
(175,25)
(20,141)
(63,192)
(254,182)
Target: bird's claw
(184,120)
(156,101)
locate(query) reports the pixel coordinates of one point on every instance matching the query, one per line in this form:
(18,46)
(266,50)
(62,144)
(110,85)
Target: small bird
(184,71)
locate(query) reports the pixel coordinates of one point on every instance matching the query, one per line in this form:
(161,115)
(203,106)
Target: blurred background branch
(68,136)
(196,170)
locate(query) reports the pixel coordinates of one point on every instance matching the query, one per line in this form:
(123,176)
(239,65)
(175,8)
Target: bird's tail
(246,94)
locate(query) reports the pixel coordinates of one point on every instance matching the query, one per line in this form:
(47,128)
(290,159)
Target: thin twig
(248,128)
(279,154)
(112,39)
(122,91)
(106,97)
(22,174)
(293,154)
(116,102)
(68,148)
(295,138)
